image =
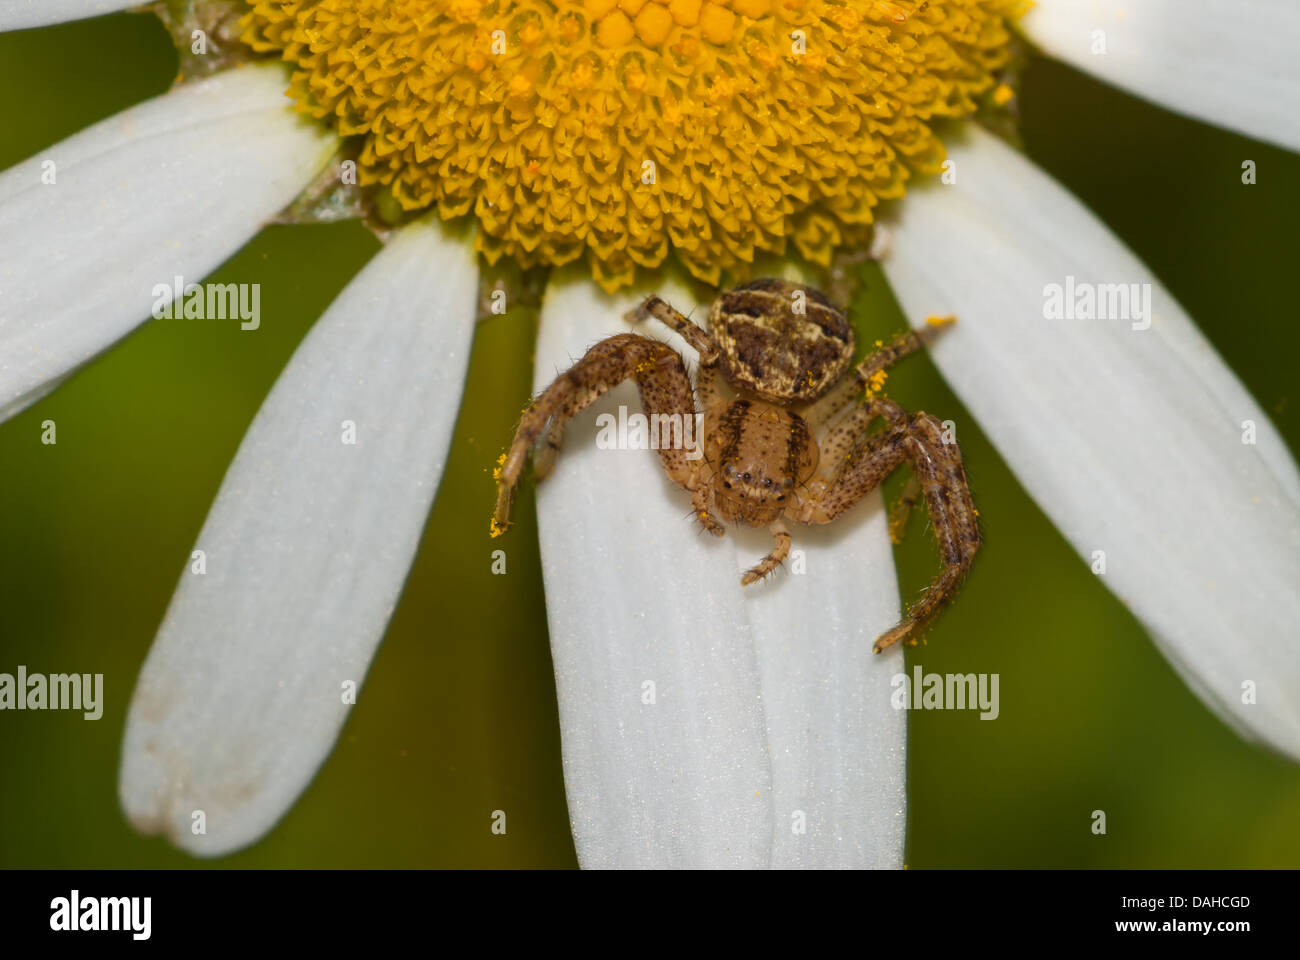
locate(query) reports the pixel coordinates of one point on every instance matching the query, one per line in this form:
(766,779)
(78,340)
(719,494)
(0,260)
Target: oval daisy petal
(21,14)
(701,720)
(171,187)
(838,747)
(1136,440)
(307,546)
(1230,62)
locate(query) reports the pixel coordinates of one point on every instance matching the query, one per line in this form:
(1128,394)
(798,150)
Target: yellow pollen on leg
(624,132)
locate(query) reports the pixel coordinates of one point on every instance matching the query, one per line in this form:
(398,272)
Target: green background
(458,717)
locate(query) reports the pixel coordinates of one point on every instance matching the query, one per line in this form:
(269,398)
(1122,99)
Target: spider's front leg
(696,336)
(707,394)
(665,391)
(918,440)
(689,331)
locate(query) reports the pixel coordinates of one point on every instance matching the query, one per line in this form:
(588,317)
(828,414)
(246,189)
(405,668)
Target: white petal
(20,14)
(767,699)
(1129,439)
(307,547)
(169,188)
(1231,62)
(838,748)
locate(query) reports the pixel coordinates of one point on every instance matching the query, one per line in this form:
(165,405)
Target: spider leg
(820,412)
(937,466)
(846,436)
(700,507)
(696,336)
(690,331)
(773,559)
(546,452)
(902,508)
(665,392)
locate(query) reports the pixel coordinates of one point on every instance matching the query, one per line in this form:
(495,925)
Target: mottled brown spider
(784,349)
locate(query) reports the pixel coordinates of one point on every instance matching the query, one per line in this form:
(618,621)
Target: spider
(785,350)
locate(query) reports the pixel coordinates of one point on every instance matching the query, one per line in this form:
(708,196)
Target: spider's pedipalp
(774,559)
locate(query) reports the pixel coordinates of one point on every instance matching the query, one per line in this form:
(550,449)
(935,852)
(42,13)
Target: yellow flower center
(619,130)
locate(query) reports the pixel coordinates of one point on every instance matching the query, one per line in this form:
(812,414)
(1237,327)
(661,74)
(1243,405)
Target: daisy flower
(628,144)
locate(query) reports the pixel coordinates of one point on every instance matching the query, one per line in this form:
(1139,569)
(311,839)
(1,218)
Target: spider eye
(746,477)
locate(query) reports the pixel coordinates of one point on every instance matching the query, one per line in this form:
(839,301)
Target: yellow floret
(766,123)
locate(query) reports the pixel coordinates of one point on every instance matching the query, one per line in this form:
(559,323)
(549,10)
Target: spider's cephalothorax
(785,350)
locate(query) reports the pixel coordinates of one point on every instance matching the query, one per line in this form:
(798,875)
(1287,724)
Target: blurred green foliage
(458,717)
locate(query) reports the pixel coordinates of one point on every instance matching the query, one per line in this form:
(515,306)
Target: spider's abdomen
(759,453)
(782,341)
